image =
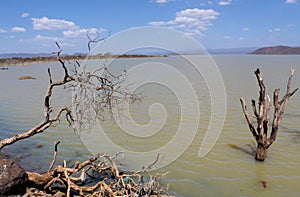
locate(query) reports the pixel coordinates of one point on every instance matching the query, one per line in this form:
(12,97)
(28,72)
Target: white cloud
(52,24)
(274,30)
(157,23)
(290,1)
(45,38)
(18,29)
(2,31)
(245,29)
(81,32)
(161,1)
(25,14)
(223,3)
(45,41)
(193,32)
(196,13)
(241,38)
(227,37)
(191,21)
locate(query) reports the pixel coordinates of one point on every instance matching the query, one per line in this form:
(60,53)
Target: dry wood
(114,183)
(261,113)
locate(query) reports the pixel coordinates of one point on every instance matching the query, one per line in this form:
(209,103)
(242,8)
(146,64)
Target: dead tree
(102,90)
(99,89)
(261,113)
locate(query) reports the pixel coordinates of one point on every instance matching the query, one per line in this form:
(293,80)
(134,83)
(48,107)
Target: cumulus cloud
(2,31)
(25,14)
(290,1)
(223,3)
(45,23)
(18,29)
(191,21)
(245,29)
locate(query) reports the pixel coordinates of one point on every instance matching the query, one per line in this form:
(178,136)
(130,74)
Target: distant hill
(278,50)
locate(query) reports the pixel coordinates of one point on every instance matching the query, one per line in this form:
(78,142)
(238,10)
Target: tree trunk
(261,114)
(261,152)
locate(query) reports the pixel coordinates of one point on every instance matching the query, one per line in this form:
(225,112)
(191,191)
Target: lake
(224,171)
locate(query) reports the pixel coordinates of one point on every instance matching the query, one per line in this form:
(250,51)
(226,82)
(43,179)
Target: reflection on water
(225,171)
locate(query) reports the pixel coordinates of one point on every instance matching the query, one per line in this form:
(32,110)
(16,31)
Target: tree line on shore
(40,59)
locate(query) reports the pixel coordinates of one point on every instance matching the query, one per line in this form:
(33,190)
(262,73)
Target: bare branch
(96,39)
(254,108)
(59,51)
(50,77)
(54,155)
(280,108)
(250,124)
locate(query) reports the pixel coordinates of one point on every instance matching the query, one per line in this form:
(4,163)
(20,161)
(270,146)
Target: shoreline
(20,61)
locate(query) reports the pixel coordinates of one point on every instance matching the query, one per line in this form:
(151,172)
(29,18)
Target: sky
(33,26)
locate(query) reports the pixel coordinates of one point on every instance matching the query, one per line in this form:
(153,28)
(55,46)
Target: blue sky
(32,26)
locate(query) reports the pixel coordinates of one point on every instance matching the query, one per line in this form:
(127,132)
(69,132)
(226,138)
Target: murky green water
(223,172)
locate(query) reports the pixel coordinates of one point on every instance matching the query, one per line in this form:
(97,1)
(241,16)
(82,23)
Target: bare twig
(96,39)
(54,155)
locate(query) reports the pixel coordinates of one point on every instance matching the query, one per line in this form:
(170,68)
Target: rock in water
(26,77)
(12,177)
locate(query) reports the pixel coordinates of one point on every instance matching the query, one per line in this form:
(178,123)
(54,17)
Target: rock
(26,77)
(36,192)
(264,183)
(12,177)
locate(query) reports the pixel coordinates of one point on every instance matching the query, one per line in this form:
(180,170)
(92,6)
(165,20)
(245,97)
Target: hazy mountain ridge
(270,50)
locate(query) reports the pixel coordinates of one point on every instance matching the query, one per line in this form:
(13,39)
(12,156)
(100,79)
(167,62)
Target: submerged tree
(261,113)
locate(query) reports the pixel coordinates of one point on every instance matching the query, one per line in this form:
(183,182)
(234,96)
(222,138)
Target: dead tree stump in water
(262,115)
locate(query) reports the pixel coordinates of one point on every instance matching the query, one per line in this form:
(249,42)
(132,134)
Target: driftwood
(261,113)
(108,179)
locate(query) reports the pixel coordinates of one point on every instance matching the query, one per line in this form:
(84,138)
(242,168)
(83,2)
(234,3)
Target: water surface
(225,171)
